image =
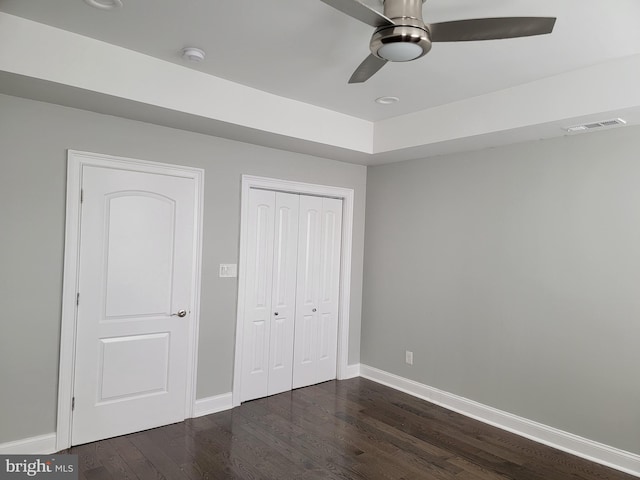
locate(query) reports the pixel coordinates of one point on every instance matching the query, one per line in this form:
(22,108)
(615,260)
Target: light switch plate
(408,358)
(228,270)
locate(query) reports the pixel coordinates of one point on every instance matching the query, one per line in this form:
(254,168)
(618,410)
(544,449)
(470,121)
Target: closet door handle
(275,313)
(314,310)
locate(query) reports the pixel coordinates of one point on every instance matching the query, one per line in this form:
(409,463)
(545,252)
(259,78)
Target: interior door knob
(181,313)
(314,310)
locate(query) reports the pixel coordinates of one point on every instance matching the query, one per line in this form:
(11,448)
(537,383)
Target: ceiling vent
(616,122)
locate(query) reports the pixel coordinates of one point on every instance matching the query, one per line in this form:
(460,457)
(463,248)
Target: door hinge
(77,299)
(81,195)
(73,403)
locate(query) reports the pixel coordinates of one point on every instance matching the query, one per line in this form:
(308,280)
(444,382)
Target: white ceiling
(305,50)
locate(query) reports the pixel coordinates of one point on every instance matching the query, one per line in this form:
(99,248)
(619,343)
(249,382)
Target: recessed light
(104,4)
(387,100)
(193,54)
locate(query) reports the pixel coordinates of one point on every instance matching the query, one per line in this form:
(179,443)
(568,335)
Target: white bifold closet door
(316,332)
(291,298)
(267,362)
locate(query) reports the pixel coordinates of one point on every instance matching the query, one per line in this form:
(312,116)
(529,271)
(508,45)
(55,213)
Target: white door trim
(76,160)
(347,196)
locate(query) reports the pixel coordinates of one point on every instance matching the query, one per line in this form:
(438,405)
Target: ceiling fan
(401,34)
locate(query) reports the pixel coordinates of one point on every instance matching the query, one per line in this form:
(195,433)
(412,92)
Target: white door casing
(132,254)
(342,263)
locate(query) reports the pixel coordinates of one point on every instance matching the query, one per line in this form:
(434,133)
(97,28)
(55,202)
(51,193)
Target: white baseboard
(40,445)
(582,447)
(215,404)
(352,371)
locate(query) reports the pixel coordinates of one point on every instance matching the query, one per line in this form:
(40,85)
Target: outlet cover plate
(408,357)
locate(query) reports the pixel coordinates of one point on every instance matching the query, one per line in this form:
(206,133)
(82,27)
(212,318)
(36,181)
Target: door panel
(330,249)
(309,260)
(330,282)
(138,274)
(325,329)
(135,270)
(258,338)
(123,372)
(305,353)
(306,338)
(255,364)
(284,293)
(270,305)
(278,344)
(316,336)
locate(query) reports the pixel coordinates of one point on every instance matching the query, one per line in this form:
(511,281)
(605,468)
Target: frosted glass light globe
(400,51)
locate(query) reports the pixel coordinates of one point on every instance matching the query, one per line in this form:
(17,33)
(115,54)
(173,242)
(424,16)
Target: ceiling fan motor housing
(409,37)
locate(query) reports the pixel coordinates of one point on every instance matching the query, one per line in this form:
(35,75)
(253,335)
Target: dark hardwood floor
(352,429)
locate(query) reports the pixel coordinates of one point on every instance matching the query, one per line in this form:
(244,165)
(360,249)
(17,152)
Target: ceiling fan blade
(490,28)
(366,69)
(360,11)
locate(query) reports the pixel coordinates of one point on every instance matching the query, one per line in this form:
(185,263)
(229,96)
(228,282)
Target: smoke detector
(193,54)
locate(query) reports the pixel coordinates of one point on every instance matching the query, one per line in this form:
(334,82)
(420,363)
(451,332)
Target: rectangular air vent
(616,122)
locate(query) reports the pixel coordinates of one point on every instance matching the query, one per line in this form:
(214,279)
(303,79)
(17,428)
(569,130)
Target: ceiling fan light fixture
(400,43)
(400,51)
(401,34)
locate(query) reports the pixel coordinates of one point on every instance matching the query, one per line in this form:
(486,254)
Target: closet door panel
(328,295)
(283,293)
(306,329)
(258,297)
(316,335)
(292,292)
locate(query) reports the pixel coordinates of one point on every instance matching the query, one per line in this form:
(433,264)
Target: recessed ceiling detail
(387,100)
(104,4)
(307,50)
(463,97)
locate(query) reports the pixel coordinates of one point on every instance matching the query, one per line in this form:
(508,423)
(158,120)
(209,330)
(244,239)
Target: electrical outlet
(408,357)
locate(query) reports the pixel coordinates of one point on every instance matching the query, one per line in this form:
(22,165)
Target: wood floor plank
(114,463)
(153,452)
(136,460)
(341,430)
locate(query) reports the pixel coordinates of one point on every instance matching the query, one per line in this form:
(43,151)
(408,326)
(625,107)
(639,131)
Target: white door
(283,294)
(135,288)
(318,287)
(270,294)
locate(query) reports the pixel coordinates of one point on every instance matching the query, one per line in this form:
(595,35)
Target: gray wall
(34,138)
(513,274)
